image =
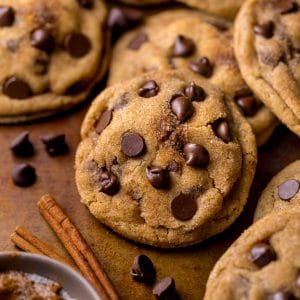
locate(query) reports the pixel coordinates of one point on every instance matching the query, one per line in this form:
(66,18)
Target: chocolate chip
(195,92)
(16,88)
(266,30)
(282,295)
(109,182)
(183,46)
(182,107)
(21,145)
(23,175)
(196,155)
(288,189)
(77,44)
(164,289)
(55,144)
(120,20)
(143,269)
(262,254)
(221,130)
(86,3)
(132,144)
(7,16)
(137,41)
(202,66)
(286,6)
(42,39)
(103,121)
(149,89)
(247,104)
(158,177)
(184,207)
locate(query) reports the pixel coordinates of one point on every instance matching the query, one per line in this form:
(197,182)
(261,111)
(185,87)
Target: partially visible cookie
(186,39)
(222,8)
(263,263)
(51,53)
(282,192)
(267,43)
(164,160)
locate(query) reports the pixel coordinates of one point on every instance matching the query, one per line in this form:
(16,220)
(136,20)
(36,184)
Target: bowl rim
(45,260)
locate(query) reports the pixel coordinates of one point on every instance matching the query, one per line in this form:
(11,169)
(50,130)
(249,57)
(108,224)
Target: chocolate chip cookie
(267,46)
(51,55)
(263,263)
(164,160)
(144,2)
(186,39)
(225,8)
(283,191)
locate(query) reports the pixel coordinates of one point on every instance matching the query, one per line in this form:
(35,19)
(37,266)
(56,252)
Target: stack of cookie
(168,151)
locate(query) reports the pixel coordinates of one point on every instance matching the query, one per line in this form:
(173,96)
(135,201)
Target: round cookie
(263,263)
(226,8)
(52,54)
(267,43)
(164,160)
(282,192)
(187,39)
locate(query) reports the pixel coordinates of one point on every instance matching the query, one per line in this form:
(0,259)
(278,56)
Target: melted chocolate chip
(109,182)
(288,189)
(282,295)
(184,207)
(21,145)
(137,41)
(196,155)
(158,177)
(23,175)
(164,289)
(195,92)
(16,88)
(266,30)
(42,39)
(77,44)
(286,6)
(55,144)
(7,16)
(103,121)
(149,89)
(183,46)
(247,104)
(132,144)
(202,66)
(262,254)
(120,19)
(182,107)
(222,130)
(88,4)
(143,269)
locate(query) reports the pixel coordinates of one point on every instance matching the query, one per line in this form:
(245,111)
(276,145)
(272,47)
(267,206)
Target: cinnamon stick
(28,242)
(77,247)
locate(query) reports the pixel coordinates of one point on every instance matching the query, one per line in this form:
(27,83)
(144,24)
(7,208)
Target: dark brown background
(190,267)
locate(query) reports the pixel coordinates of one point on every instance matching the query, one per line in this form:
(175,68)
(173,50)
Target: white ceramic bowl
(71,281)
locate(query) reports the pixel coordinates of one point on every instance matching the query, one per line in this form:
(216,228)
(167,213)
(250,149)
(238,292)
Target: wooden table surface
(190,267)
